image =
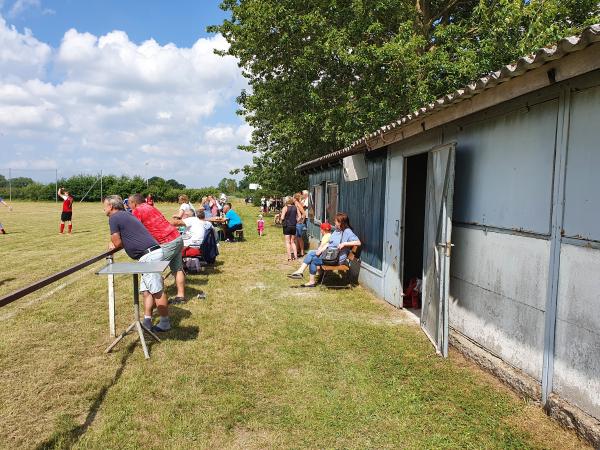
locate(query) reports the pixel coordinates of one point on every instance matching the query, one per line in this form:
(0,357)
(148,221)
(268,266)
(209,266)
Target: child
(325,238)
(260,224)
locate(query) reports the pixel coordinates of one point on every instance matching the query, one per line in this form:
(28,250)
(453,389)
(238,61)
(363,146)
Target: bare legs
(160,299)
(290,246)
(180,283)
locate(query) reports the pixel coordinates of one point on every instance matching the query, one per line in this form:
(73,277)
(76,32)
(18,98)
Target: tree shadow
(67,438)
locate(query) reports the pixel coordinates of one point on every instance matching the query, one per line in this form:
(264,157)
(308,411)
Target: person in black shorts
(289,218)
(67,210)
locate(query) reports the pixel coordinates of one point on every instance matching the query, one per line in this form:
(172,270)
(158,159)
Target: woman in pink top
(214,209)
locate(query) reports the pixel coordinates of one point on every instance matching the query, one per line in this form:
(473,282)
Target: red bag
(412,295)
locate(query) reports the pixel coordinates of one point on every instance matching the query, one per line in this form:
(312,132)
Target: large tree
(324,72)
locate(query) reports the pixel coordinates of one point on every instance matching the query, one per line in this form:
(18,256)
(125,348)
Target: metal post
(558,196)
(136,313)
(9,186)
(111,301)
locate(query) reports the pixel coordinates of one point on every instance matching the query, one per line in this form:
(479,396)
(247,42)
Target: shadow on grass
(177,333)
(6,280)
(69,433)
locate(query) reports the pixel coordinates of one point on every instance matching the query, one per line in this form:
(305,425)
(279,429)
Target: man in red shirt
(167,236)
(67,209)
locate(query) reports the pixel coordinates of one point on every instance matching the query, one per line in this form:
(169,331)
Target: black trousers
(229,231)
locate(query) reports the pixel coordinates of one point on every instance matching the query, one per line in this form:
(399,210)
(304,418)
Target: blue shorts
(300,227)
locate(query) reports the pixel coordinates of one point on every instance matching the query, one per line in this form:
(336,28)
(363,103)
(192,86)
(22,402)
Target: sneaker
(147,323)
(176,300)
(158,329)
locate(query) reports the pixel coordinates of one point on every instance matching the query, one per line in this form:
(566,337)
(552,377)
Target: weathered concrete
(498,293)
(577,355)
(513,377)
(568,415)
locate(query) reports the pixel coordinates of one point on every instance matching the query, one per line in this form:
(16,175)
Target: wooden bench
(342,268)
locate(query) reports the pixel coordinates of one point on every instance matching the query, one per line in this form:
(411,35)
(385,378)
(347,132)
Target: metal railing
(16,295)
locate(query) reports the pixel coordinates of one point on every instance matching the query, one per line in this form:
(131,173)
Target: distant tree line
(89,186)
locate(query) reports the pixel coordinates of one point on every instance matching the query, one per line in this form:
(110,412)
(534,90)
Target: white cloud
(21,55)
(21,6)
(119,104)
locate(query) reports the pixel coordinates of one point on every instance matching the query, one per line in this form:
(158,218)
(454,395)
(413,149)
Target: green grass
(258,364)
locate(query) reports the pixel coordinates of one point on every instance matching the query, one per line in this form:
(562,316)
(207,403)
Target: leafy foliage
(88,187)
(322,73)
(228,185)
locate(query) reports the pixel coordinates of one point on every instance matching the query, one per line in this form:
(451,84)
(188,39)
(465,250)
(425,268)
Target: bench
(341,268)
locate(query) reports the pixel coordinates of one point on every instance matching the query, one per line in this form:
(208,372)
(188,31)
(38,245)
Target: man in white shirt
(195,229)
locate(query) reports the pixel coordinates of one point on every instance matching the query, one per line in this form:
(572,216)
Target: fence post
(111,300)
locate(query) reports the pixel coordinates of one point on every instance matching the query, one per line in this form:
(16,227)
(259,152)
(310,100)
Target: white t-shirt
(186,207)
(194,232)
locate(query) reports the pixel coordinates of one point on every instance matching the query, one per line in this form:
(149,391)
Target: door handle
(447,247)
(397,227)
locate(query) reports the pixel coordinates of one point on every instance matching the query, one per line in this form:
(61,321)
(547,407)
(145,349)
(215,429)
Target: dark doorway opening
(415,191)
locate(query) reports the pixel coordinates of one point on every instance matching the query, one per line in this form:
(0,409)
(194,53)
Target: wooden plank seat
(341,268)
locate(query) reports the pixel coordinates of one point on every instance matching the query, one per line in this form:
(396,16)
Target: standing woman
(289,218)
(300,224)
(214,208)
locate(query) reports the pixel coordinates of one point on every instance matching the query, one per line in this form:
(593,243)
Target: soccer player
(3,203)
(67,209)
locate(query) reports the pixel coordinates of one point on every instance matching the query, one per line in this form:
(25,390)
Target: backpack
(192,265)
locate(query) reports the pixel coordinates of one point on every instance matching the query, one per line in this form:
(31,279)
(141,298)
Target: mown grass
(258,364)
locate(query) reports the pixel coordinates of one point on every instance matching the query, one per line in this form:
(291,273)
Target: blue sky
(118,86)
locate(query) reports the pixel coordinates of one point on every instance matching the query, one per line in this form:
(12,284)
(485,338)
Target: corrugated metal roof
(524,64)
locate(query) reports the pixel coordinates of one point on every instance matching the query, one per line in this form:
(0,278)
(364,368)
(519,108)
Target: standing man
(167,236)
(67,209)
(150,200)
(234,222)
(128,233)
(3,203)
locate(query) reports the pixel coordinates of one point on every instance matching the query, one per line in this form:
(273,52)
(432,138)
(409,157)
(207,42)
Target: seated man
(195,229)
(234,222)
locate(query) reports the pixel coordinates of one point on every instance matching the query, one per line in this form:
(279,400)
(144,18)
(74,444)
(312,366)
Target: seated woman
(184,205)
(234,222)
(323,244)
(343,238)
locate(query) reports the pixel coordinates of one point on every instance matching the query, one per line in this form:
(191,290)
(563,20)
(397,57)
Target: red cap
(325,226)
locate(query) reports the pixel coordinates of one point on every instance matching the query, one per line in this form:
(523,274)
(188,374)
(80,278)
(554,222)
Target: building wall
(577,355)
(363,201)
(510,162)
(504,198)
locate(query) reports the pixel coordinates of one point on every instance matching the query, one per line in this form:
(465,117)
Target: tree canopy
(323,73)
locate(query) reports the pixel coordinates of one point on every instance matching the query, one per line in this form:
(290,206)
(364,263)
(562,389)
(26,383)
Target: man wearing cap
(127,232)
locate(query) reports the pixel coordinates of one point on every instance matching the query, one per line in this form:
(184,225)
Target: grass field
(258,364)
